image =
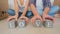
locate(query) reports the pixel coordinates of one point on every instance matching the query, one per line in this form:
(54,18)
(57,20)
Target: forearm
(25,11)
(26,8)
(34,10)
(16,11)
(16,7)
(46,10)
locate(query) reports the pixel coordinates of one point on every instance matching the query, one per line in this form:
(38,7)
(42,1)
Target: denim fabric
(52,12)
(12,13)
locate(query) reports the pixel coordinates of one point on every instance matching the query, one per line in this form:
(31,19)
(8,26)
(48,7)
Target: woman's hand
(46,16)
(33,19)
(12,17)
(24,17)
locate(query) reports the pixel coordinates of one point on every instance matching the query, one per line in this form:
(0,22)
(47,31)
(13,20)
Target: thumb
(40,18)
(16,18)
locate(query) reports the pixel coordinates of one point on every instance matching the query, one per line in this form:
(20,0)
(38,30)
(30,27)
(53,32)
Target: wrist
(36,14)
(16,14)
(23,15)
(45,13)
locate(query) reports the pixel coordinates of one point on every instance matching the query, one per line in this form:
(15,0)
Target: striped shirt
(42,3)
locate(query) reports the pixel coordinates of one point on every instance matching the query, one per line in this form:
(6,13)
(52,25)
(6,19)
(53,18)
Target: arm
(25,11)
(34,10)
(16,7)
(46,10)
(16,12)
(45,14)
(36,14)
(26,8)
(46,6)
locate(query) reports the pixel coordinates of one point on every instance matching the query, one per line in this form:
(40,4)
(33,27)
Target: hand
(36,17)
(48,17)
(12,17)
(23,17)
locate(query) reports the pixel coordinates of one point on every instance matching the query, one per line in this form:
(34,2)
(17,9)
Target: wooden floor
(29,29)
(57,15)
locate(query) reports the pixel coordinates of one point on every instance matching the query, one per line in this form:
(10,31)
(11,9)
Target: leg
(53,10)
(29,14)
(20,13)
(11,21)
(11,12)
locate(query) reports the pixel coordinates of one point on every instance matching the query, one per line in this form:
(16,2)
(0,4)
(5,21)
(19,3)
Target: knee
(29,14)
(11,12)
(56,7)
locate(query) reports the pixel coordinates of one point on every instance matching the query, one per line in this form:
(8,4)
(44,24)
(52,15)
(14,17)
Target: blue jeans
(52,12)
(11,12)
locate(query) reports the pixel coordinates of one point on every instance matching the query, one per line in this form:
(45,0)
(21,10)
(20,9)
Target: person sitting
(43,9)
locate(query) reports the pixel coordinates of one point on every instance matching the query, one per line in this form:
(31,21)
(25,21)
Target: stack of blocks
(22,23)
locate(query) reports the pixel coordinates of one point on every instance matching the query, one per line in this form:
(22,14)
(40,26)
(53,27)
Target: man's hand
(48,17)
(24,17)
(33,19)
(12,17)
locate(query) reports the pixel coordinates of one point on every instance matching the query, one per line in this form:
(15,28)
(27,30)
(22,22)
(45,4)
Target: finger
(9,18)
(33,20)
(27,20)
(53,20)
(40,19)
(50,17)
(43,18)
(16,19)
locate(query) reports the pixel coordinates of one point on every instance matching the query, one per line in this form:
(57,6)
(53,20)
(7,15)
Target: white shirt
(21,6)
